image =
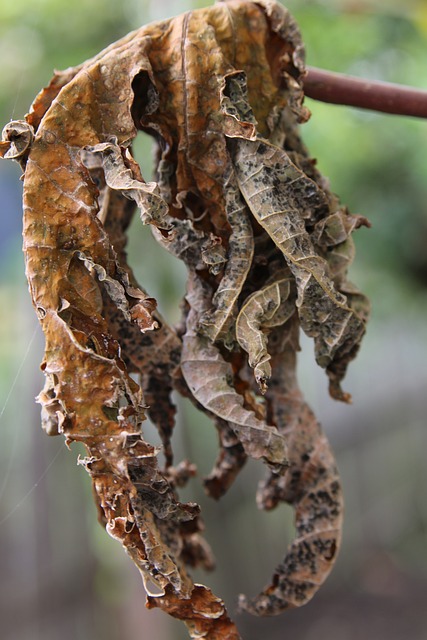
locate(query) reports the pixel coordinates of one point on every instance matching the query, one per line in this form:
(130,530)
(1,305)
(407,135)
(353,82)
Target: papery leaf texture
(267,248)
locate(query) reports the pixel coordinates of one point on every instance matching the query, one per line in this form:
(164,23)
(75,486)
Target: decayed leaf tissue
(267,248)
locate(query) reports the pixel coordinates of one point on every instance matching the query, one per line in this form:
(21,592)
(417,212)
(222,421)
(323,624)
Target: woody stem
(337,88)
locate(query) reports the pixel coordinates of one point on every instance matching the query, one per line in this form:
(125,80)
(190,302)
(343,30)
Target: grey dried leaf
(277,193)
(264,309)
(230,460)
(210,379)
(311,485)
(215,322)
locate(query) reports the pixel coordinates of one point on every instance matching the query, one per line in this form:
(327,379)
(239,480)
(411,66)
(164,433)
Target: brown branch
(337,88)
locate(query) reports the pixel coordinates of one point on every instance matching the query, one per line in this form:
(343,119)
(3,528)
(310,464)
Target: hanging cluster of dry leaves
(267,248)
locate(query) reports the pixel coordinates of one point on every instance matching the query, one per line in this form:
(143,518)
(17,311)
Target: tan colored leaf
(118,176)
(213,254)
(311,485)
(210,379)
(266,308)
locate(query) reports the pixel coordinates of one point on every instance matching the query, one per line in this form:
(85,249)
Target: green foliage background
(61,576)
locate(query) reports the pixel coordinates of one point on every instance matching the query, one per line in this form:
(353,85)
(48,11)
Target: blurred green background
(61,576)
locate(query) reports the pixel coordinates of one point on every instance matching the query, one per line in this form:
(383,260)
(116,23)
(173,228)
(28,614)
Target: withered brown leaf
(267,248)
(311,485)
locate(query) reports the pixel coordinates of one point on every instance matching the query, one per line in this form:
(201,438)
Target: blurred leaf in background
(62,576)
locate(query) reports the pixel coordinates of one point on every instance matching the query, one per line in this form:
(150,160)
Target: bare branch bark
(337,88)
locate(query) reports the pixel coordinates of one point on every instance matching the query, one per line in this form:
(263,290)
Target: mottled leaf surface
(267,248)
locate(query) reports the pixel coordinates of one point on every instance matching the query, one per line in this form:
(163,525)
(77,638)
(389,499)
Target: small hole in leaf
(152,588)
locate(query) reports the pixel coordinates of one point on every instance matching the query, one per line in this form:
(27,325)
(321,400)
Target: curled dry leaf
(215,323)
(17,138)
(267,248)
(204,614)
(311,485)
(210,379)
(278,199)
(269,307)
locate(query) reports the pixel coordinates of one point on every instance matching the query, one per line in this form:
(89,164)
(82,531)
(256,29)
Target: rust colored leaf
(203,613)
(267,248)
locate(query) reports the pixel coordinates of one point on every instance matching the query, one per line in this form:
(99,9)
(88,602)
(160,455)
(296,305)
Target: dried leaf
(210,379)
(214,254)
(266,308)
(17,138)
(118,176)
(123,466)
(230,461)
(215,323)
(267,248)
(275,189)
(203,613)
(311,485)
